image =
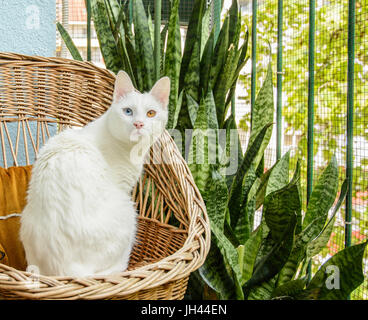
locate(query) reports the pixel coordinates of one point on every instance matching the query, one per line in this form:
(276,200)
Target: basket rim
(173,267)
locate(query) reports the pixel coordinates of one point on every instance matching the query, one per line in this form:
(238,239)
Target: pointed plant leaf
(302,241)
(220,51)
(144,46)
(216,199)
(279,176)
(233,152)
(233,23)
(205,65)
(105,36)
(289,289)
(248,181)
(163,36)
(263,112)
(150,25)
(251,248)
(205,32)
(341,274)
(262,291)
(203,147)
(177,111)
(322,197)
(224,83)
(69,42)
(192,74)
(316,245)
(214,272)
(271,263)
(193,107)
(173,58)
(236,187)
(279,207)
(192,40)
(230,253)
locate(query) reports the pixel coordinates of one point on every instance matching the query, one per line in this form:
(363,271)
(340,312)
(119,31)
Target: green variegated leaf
(202,151)
(302,240)
(113,9)
(205,65)
(279,176)
(220,52)
(322,197)
(198,159)
(143,47)
(105,36)
(268,265)
(234,81)
(279,207)
(229,252)
(216,199)
(289,289)
(150,26)
(251,248)
(223,84)
(192,74)
(243,224)
(69,42)
(263,112)
(119,28)
(340,275)
(232,154)
(205,33)
(214,272)
(177,111)
(193,107)
(196,287)
(279,179)
(316,245)
(297,255)
(192,42)
(261,190)
(240,250)
(251,209)
(263,291)
(211,111)
(173,59)
(244,49)
(234,23)
(229,232)
(236,187)
(248,181)
(163,36)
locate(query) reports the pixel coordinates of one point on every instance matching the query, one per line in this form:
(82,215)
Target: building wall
(28,27)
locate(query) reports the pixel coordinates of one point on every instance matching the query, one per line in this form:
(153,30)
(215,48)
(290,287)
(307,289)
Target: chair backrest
(40,96)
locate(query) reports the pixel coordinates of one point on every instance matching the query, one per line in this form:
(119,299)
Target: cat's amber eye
(151,113)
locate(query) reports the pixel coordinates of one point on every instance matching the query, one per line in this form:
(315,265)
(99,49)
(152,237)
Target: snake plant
(270,261)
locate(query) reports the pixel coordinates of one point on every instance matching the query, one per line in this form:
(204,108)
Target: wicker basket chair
(39,95)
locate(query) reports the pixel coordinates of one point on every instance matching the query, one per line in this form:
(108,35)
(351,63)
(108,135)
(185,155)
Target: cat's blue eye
(128,111)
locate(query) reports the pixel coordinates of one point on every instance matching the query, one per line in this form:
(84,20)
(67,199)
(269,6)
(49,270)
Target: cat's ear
(161,91)
(123,85)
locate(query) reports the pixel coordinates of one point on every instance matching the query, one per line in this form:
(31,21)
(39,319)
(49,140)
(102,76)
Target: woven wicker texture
(39,95)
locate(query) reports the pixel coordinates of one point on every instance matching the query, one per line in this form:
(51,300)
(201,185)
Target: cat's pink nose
(138,124)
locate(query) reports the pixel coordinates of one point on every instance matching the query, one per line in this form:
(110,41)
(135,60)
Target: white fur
(79,219)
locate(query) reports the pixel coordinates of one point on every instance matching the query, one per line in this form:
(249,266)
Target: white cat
(79,219)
